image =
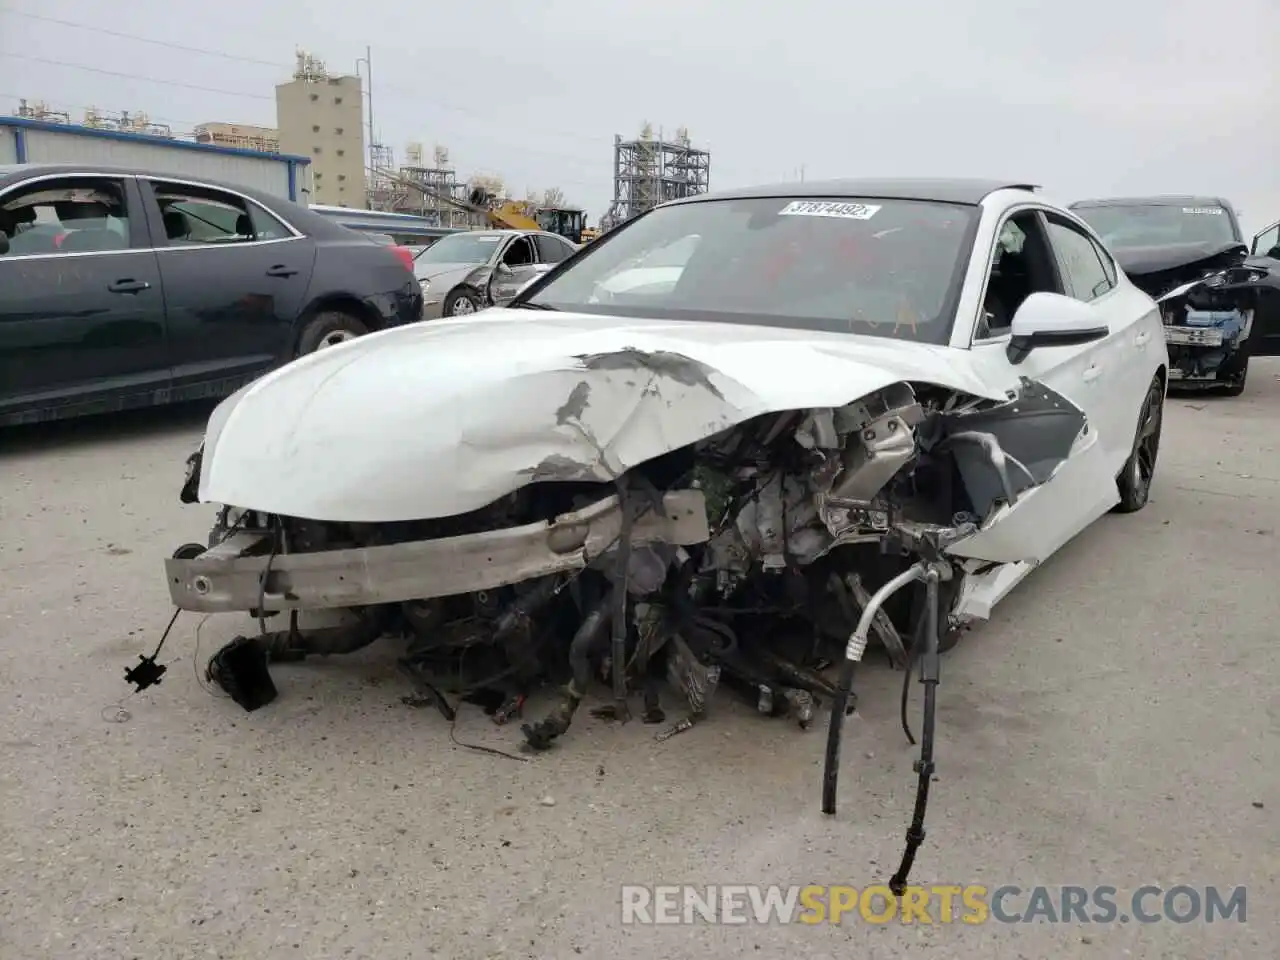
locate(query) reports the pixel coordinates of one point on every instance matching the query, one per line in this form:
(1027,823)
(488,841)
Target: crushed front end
(756,561)
(750,555)
(1207,347)
(1208,307)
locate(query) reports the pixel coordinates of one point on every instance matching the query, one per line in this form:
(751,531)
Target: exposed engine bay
(754,560)
(1209,305)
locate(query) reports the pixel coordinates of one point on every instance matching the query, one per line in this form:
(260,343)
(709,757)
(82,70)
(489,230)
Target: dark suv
(1219,296)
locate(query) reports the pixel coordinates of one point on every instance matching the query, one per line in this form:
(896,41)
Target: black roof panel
(1161,200)
(948,190)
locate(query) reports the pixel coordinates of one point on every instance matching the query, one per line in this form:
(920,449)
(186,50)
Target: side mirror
(1052,320)
(4,243)
(503,270)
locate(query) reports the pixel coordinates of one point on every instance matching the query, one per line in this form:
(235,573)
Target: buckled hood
(438,419)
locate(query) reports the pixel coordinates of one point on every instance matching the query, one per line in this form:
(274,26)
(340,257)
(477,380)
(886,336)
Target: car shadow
(106,428)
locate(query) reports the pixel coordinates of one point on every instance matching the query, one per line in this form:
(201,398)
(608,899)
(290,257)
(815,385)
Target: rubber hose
(586,637)
(831,770)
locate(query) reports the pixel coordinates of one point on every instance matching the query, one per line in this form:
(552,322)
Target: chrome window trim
(74,174)
(154,178)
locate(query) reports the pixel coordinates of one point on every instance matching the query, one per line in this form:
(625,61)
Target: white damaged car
(705,475)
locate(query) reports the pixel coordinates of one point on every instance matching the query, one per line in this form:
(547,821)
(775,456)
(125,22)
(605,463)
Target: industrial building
(652,170)
(321,116)
(324,118)
(23,140)
(241,136)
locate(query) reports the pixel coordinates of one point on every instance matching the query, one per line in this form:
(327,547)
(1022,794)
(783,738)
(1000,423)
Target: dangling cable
(906,698)
(853,654)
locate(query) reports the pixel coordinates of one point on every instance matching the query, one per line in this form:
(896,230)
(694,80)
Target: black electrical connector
(148,673)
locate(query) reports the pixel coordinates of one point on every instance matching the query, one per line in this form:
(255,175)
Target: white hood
(437,419)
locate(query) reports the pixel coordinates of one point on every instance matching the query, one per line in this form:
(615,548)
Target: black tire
(1139,470)
(327,328)
(459,295)
(1236,387)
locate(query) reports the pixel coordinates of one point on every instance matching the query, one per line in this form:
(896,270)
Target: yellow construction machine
(568,222)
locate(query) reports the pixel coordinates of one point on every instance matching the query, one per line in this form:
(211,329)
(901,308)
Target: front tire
(328,329)
(1139,470)
(1236,387)
(461,303)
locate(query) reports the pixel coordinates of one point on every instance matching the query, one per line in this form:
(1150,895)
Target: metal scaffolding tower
(438,181)
(650,171)
(383,191)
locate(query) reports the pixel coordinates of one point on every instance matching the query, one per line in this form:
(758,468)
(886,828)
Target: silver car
(466,272)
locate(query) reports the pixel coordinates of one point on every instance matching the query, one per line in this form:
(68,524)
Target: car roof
(507,232)
(1159,200)
(959,190)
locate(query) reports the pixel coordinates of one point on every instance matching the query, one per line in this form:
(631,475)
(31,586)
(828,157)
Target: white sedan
(828,382)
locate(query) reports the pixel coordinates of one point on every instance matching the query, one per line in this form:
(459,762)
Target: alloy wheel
(1147,446)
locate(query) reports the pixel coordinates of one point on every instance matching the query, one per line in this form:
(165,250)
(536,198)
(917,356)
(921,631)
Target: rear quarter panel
(361,276)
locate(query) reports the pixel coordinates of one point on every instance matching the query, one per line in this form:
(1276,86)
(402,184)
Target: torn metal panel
(1008,454)
(1033,435)
(222,580)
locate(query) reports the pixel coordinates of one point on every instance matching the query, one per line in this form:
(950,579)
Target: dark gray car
(466,272)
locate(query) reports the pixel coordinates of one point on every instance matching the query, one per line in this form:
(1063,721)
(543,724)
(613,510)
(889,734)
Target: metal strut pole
(929,669)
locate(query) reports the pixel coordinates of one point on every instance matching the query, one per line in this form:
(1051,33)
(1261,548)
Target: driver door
(517,267)
(1267,242)
(1265,339)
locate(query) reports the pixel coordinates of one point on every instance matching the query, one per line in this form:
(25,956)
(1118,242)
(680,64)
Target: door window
(266,226)
(552,249)
(520,253)
(196,216)
(1267,243)
(1081,261)
(1021,265)
(71,215)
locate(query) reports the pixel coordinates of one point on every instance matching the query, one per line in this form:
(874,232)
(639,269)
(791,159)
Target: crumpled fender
(438,419)
(1138,261)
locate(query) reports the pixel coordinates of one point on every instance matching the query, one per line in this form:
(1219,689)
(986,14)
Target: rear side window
(1080,260)
(552,249)
(196,216)
(265,224)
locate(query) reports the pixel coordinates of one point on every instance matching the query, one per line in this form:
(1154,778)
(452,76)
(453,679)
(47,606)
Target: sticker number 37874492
(829,208)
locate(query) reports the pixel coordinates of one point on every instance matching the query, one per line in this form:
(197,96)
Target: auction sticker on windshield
(829,208)
(1210,211)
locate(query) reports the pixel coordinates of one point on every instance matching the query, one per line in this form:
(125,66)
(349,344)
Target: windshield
(462,248)
(889,268)
(1155,225)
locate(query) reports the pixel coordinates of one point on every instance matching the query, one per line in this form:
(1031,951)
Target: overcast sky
(1087,97)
